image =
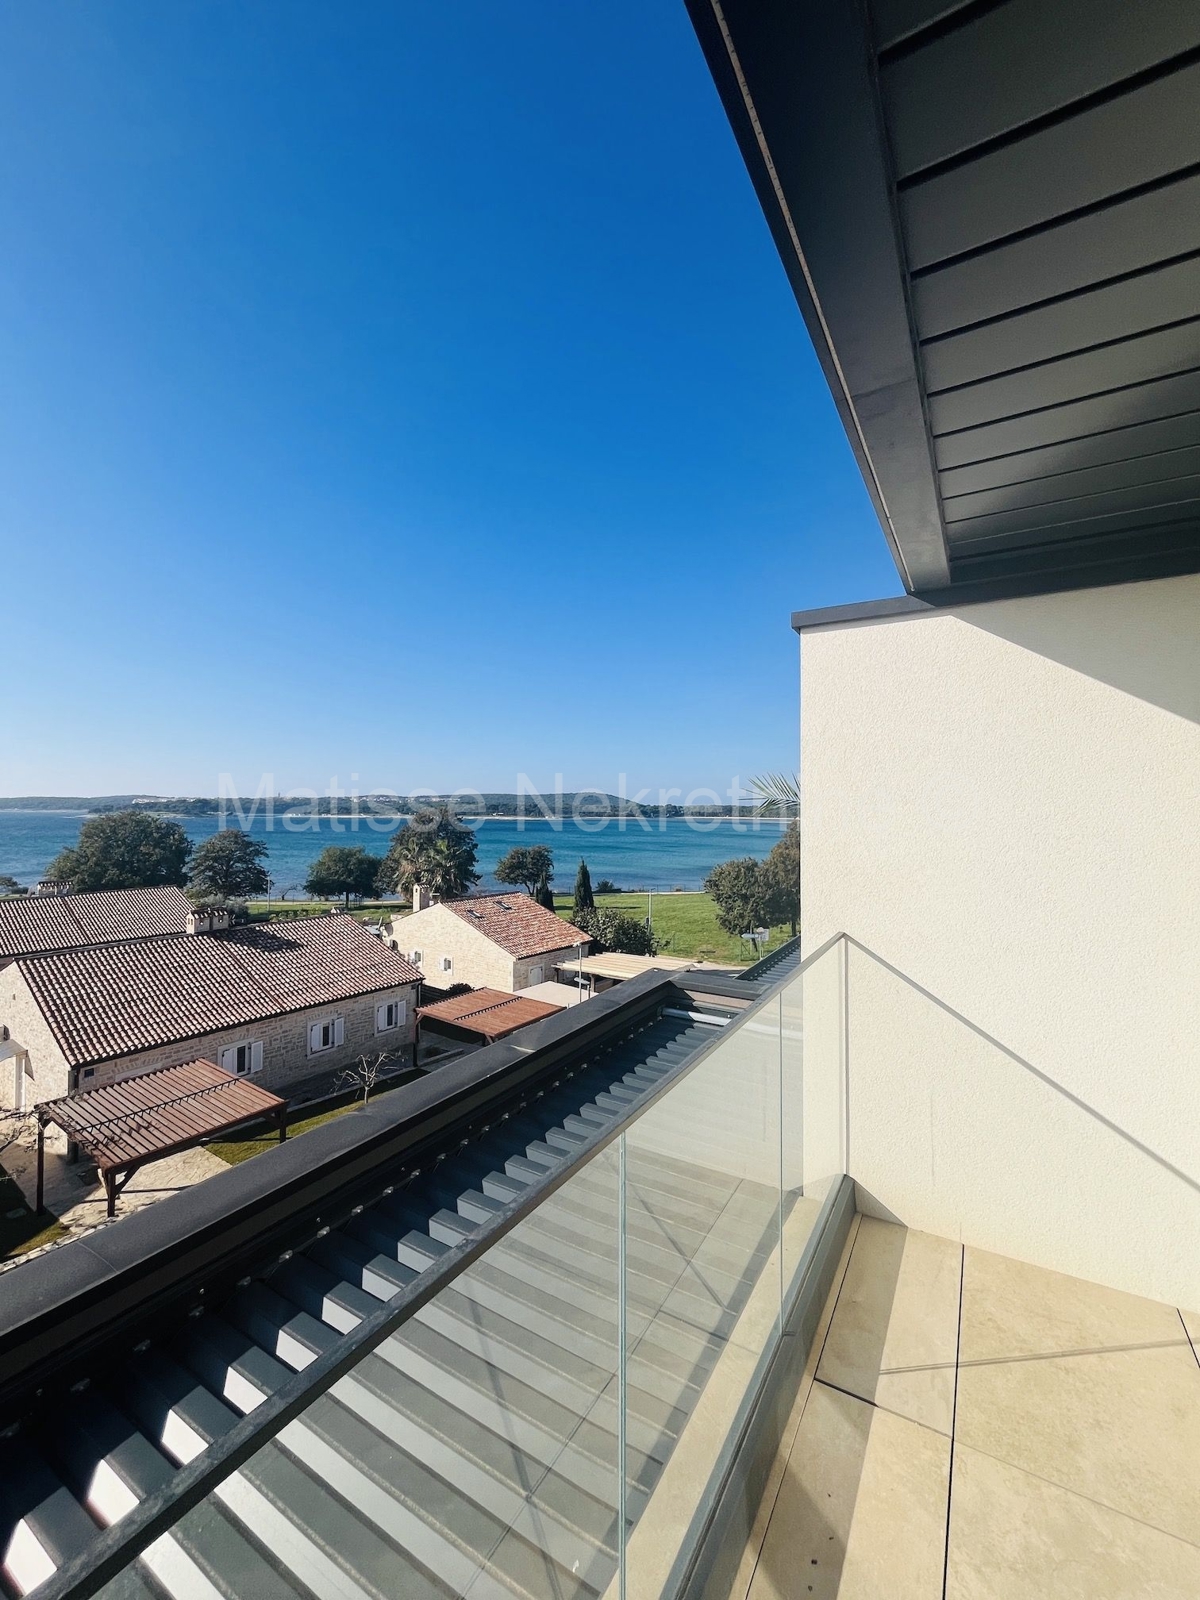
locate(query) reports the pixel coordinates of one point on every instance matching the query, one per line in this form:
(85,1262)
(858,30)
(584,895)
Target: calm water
(671,856)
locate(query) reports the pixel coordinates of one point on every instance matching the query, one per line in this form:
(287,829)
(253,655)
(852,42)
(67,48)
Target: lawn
(252,1143)
(281,910)
(685,921)
(685,924)
(27,1231)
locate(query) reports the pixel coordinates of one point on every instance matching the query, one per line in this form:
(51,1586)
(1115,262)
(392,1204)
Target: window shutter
(380,1018)
(227,1059)
(401,1013)
(256,1054)
(314,1036)
(339,1030)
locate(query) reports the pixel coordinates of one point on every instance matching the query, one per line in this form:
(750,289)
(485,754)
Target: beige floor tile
(861,1511)
(1012,1309)
(762,1514)
(1016,1537)
(895,1331)
(1121,1427)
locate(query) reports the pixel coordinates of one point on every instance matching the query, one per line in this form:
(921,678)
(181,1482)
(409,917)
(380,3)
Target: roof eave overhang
(794,79)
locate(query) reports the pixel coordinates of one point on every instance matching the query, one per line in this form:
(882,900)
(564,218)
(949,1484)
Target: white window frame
(447,963)
(242,1059)
(326,1034)
(415,958)
(399,1007)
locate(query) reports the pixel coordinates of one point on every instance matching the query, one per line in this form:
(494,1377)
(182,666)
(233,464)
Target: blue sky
(403,392)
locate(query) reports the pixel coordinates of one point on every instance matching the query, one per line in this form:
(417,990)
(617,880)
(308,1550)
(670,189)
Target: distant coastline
(588,804)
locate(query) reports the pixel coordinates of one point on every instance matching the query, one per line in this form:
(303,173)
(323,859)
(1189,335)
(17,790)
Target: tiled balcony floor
(978,1429)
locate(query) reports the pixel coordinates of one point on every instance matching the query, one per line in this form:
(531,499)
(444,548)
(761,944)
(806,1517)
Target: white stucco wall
(1003,802)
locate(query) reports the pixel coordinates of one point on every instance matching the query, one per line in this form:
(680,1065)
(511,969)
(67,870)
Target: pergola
(122,1126)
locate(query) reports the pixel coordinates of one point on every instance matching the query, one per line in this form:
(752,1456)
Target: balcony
(968,1425)
(595,1314)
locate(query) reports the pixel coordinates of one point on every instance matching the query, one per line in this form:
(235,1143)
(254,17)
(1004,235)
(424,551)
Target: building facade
(284,1005)
(504,941)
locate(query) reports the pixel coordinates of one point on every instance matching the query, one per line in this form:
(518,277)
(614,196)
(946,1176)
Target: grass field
(366,911)
(243,1146)
(685,924)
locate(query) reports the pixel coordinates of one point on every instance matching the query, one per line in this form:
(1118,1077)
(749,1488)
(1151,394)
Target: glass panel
(475,1450)
(702,1300)
(812,1006)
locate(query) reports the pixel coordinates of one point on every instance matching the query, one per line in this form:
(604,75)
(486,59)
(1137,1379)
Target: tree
(584,899)
(782,868)
(610,929)
(744,895)
(10,886)
(343,869)
(607,886)
(124,850)
(434,849)
(365,1074)
(544,895)
(778,794)
(531,866)
(229,866)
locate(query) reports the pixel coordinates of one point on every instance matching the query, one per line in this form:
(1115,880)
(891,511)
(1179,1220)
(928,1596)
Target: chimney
(207,921)
(421,897)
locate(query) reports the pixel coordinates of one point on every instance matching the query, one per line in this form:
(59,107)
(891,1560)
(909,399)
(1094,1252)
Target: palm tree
(436,850)
(778,794)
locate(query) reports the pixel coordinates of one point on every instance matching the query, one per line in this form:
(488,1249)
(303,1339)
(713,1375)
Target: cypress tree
(584,899)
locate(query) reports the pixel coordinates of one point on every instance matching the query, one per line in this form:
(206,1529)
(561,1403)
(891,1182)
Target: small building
(483,1015)
(36,923)
(491,941)
(290,1002)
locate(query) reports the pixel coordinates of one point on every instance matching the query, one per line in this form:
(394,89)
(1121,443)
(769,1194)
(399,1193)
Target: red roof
(488,1012)
(516,923)
(40,922)
(116,1000)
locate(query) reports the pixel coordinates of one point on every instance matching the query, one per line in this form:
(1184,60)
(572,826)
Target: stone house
(288,1002)
(491,941)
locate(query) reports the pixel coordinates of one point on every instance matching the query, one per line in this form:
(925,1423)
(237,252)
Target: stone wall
(287,1060)
(437,932)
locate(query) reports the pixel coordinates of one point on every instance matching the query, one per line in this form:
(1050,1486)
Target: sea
(670,853)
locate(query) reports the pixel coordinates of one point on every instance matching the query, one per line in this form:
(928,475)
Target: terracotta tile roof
(32,923)
(123,1124)
(516,923)
(114,1000)
(489,1012)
